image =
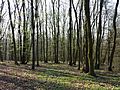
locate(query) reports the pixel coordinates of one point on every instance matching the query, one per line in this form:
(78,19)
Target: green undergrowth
(63,77)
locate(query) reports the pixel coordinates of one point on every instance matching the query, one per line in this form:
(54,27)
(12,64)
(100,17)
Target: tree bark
(24,34)
(115,34)
(37,28)
(58,32)
(13,34)
(33,37)
(46,26)
(70,34)
(98,43)
(90,42)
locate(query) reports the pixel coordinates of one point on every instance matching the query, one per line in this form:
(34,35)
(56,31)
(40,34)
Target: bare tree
(13,34)
(37,28)
(89,36)
(70,33)
(99,37)
(46,26)
(115,34)
(58,32)
(33,35)
(24,34)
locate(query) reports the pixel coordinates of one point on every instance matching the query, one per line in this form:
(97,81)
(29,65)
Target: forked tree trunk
(89,36)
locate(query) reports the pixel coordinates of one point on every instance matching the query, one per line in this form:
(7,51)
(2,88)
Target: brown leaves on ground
(53,77)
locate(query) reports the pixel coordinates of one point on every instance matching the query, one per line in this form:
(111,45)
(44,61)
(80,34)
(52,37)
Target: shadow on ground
(15,81)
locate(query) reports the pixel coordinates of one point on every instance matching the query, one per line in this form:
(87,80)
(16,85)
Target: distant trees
(59,31)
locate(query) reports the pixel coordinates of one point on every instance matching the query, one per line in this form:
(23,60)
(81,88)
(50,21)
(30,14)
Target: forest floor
(54,77)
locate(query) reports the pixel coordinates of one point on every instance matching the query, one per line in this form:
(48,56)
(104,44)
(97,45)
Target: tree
(1,19)
(63,44)
(89,36)
(80,37)
(19,31)
(99,37)
(37,28)
(115,34)
(55,33)
(13,34)
(33,35)
(70,33)
(23,61)
(79,32)
(85,49)
(46,26)
(58,32)
(1,10)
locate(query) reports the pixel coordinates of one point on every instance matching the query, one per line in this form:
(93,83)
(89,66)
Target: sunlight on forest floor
(54,77)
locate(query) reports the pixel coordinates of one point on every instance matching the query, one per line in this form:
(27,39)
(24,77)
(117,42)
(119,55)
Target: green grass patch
(60,77)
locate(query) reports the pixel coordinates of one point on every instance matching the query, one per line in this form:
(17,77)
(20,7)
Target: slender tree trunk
(80,37)
(46,26)
(54,28)
(13,34)
(19,31)
(1,53)
(24,34)
(63,35)
(40,40)
(37,45)
(115,34)
(99,32)
(43,44)
(70,34)
(58,32)
(33,37)
(79,51)
(86,67)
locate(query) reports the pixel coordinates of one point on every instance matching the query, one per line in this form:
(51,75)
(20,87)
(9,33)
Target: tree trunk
(24,34)
(46,60)
(58,32)
(37,45)
(13,34)
(98,43)
(115,34)
(89,36)
(33,37)
(70,33)
(19,32)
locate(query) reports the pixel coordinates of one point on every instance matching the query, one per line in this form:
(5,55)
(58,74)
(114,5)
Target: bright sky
(113,2)
(66,3)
